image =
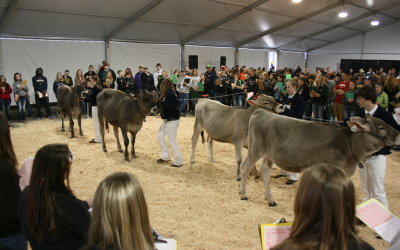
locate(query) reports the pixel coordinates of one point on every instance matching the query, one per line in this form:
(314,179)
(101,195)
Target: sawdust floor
(197,204)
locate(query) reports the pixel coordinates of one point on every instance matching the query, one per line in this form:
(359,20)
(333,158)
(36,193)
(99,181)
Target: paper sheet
(274,234)
(288,76)
(377,217)
(170,245)
(250,94)
(349,96)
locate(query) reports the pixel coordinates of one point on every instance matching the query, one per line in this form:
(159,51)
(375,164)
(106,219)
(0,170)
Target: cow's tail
(108,129)
(203,140)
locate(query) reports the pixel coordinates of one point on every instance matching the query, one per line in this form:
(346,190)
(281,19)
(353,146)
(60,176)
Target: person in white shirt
(157,77)
(183,87)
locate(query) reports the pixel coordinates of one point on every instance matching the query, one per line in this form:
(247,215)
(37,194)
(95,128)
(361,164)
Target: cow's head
(375,127)
(147,99)
(267,102)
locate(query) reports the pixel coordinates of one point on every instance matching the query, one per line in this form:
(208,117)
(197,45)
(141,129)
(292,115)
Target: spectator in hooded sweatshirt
(89,73)
(138,80)
(5,97)
(20,93)
(41,96)
(67,78)
(103,74)
(148,81)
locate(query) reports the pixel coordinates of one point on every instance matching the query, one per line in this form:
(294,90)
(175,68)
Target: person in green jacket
(383,99)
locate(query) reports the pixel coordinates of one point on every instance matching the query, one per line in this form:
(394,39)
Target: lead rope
(360,165)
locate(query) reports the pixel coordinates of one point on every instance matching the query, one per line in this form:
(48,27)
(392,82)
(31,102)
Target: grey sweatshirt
(18,90)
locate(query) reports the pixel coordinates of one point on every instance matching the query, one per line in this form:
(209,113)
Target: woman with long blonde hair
(392,90)
(169,104)
(120,218)
(108,81)
(319,96)
(324,213)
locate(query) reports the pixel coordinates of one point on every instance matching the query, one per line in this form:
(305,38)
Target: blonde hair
(57,77)
(120,218)
(390,83)
(165,73)
(197,72)
(315,84)
(111,77)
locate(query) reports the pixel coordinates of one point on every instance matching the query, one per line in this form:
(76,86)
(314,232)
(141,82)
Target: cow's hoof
(238,179)
(192,162)
(244,199)
(72,136)
(272,204)
(81,134)
(133,156)
(127,160)
(120,150)
(105,150)
(62,130)
(257,177)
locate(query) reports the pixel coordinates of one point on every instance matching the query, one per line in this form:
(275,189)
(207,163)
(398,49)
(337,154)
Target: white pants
(292,176)
(97,137)
(169,129)
(372,177)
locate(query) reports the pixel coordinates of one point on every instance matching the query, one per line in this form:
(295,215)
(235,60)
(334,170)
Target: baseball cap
(306,73)
(140,66)
(119,71)
(105,64)
(208,65)
(368,78)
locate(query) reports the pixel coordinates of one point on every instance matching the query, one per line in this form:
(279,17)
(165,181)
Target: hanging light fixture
(375,21)
(342,12)
(296,1)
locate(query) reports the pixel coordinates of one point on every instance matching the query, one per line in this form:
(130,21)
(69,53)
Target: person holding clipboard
(220,88)
(319,95)
(350,106)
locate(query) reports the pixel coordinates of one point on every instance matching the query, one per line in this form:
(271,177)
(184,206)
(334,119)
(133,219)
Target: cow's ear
(251,102)
(153,93)
(357,126)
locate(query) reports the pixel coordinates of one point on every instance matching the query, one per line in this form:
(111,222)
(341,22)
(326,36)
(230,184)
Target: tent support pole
(182,57)
(236,57)
(362,45)
(106,50)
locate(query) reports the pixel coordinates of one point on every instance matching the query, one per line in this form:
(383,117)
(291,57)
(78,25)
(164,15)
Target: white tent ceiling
(267,24)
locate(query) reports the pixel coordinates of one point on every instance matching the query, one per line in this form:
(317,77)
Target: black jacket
(219,89)
(170,106)
(120,84)
(10,193)
(148,82)
(87,74)
(297,106)
(131,85)
(385,116)
(72,226)
(102,75)
(93,95)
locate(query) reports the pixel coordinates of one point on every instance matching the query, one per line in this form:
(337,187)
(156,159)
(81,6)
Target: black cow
(125,112)
(69,102)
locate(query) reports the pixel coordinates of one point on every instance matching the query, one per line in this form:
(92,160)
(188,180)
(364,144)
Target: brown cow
(125,112)
(69,102)
(294,145)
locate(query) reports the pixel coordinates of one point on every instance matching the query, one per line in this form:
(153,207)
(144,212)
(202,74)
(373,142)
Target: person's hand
(311,95)
(284,93)
(184,83)
(300,92)
(108,85)
(350,100)
(276,88)
(245,90)
(159,78)
(220,85)
(127,85)
(318,95)
(90,202)
(397,95)
(180,92)
(378,104)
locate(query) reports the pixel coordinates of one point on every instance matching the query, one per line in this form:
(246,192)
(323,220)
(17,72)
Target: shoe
(38,118)
(280,175)
(21,121)
(50,117)
(30,115)
(86,117)
(93,141)
(176,166)
(379,237)
(152,114)
(24,121)
(396,148)
(290,182)
(184,115)
(162,161)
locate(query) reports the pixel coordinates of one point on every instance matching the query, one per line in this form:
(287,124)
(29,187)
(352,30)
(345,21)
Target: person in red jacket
(5,97)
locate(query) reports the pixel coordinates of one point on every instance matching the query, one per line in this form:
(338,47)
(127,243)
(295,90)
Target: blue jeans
(347,113)
(332,112)
(307,113)
(21,103)
(220,97)
(5,107)
(28,107)
(183,100)
(84,108)
(318,112)
(237,100)
(13,242)
(211,93)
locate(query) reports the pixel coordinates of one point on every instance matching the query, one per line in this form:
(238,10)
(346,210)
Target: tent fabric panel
(380,57)
(304,45)
(253,58)
(221,37)
(296,9)
(156,32)
(131,55)
(270,41)
(302,29)
(352,45)
(365,23)
(335,34)
(25,56)
(32,23)
(378,41)
(123,9)
(209,55)
(192,11)
(332,17)
(256,21)
(332,60)
(290,60)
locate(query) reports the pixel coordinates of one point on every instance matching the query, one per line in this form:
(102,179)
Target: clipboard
(218,83)
(24,83)
(312,93)
(200,85)
(274,234)
(394,104)
(288,76)
(280,85)
(261,85)
(174,79)
(349,96)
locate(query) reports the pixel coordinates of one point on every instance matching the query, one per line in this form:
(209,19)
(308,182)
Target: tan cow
(228,124)
(294,145)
